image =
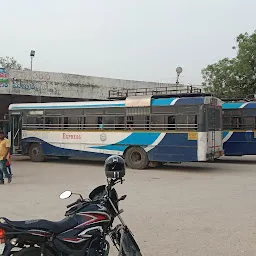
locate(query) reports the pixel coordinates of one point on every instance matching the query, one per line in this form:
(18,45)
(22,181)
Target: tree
(9,63)
(234,77)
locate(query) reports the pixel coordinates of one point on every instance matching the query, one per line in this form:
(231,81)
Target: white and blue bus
(145,130)
(239,128)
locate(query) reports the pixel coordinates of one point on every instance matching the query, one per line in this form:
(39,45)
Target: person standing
(4,151)
(8,164)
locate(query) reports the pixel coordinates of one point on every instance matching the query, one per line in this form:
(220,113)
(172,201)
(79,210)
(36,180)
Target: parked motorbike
(83,232)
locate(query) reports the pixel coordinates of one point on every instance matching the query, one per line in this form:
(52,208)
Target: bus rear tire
(136,158)
(36,153)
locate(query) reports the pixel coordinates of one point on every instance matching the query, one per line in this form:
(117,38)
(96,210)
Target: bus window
(171,122)
(148,122)
(52,122)
(157,122)
(129,122)
(249,123)
(185,122)
(119,122)
(236,122)
(81,122)
(91,122)
(40,122)
(226,122)
(65,122)
(70,122)
(109,122)
(100,123)
(192,122)
(141,122)
(34,122)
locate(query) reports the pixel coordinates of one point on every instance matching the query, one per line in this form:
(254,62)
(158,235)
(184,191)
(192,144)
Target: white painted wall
(25,82)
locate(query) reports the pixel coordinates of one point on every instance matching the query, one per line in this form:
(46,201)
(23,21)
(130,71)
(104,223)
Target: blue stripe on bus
(179,101)
(162,102)
(250,105)
(240,143)
(139,138)
(232,105)
(236,105)
(174,147)
(224,134)
(52,150)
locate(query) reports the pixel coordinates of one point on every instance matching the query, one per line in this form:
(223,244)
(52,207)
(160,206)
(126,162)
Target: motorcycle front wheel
(32,251)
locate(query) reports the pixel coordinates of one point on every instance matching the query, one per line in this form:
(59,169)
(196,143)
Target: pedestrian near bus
(8,164)
(4,151)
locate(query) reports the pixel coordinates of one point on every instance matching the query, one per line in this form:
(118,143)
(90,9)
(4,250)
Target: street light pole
(31,64)
(32,55)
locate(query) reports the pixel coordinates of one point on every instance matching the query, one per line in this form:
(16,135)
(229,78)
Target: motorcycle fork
(121,243)
(7,249)
(42,247)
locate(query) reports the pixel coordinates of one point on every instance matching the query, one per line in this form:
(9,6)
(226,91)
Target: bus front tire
(136,158)
(36,153)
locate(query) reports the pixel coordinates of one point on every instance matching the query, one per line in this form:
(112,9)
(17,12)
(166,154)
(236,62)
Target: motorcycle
(83,232)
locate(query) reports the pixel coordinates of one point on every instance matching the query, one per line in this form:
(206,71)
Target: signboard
(3,78)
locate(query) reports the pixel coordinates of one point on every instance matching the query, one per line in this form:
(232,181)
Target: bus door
(211,120)
(16,133)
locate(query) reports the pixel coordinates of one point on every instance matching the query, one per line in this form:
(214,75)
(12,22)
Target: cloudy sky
(132,39)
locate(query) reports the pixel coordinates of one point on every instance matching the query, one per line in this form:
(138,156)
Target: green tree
(9,63)
(234,77)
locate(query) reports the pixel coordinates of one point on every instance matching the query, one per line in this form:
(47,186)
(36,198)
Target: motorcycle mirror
(66,194)
(122,198)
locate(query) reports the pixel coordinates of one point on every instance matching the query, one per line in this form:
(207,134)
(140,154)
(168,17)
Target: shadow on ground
(236,161)
(197,167)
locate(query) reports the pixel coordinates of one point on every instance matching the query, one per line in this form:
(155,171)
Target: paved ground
(187,209)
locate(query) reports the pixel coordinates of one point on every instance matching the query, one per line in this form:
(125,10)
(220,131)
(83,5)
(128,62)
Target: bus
(239,128)
(145,130)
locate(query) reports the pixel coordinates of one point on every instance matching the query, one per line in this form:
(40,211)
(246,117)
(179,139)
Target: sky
(133,39)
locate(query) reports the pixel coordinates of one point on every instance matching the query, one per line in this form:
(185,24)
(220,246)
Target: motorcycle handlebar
(72,204)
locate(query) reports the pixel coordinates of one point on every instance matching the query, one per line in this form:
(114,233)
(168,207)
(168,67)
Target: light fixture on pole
(32,55)
(178,71)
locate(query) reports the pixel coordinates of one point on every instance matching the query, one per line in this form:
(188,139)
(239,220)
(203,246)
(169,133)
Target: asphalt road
(185,209)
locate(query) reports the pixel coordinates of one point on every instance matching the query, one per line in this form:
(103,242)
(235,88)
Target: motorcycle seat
(45,225)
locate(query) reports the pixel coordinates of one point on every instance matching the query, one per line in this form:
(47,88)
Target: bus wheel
(136,158)
(36,153)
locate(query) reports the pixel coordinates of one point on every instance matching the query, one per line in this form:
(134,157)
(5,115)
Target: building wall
(25,82)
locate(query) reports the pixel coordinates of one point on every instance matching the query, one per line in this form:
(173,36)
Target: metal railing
(239,127)
(159,91)
(151,126)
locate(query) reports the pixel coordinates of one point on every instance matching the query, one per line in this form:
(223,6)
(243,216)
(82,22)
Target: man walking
(4,151)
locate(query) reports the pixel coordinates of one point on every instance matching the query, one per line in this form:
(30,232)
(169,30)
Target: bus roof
(236,105)
(118,103)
